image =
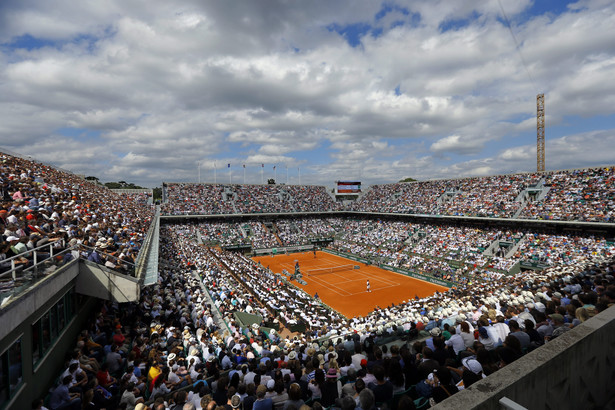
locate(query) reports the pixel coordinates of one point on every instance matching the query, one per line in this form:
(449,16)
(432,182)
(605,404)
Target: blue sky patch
(30,43)
(551,8)
(458,24)
(574,124)
(81,134)
(387,8)
(397,23)
(351,32)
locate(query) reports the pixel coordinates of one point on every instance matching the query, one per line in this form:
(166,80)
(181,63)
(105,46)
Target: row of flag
(244,165)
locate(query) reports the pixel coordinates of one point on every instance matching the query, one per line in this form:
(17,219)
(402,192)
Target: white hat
(472,365)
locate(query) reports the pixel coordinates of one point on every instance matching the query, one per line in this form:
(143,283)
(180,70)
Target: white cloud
(457,144)
(252,82)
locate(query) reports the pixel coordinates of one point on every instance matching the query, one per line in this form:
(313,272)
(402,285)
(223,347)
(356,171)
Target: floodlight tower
(540,133)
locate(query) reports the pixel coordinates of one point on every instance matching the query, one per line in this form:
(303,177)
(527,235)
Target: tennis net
(322,271)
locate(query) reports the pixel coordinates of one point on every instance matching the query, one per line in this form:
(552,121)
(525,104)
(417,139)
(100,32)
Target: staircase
(244,234)
(536,192)
(515,247)
(218,319)
(447,196)
(288,198)
(491,249)
(414,238)
(520,209)
(275,231)
(230,196)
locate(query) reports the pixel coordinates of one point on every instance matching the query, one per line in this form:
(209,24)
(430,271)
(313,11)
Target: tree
(271,181)
(408,180)
(122,185)
(157,194)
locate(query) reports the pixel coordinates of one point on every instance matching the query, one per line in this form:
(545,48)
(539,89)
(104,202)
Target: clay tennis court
(345,291)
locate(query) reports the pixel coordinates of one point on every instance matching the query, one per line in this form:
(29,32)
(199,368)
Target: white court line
(370,276)
(331,286)
(326,264)
(373,290)
(374,278)
(341,275)
(390,285)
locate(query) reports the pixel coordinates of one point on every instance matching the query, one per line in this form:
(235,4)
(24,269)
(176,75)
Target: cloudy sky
(145,91)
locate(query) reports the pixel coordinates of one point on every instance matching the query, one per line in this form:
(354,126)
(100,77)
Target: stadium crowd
(453,253)
(169,352)
(140,198)
(221,233)
(181,346)
(41,206)
(211,199)
(583,195)
(579,195)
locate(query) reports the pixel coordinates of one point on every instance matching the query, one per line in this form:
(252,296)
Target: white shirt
(456,342)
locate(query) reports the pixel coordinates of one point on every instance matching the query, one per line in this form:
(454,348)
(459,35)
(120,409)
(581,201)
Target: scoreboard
(348,187)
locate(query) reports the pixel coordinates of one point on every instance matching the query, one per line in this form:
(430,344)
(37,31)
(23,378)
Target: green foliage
(93,179)
(408,180)
(157,193)
(122,185)
(271,181)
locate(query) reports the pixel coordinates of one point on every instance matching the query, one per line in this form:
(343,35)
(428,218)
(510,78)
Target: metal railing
(37,264)
(27,268)
(151,239)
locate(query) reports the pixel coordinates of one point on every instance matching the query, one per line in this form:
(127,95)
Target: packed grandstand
(183,342)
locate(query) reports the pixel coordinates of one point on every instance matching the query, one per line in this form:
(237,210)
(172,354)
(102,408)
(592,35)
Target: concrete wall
(573,371)
(16,322)
(40,297)
(98,281)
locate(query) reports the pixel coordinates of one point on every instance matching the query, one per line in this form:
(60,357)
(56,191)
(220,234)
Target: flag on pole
(244,165)
(262,165)
(229,165)
(274,167)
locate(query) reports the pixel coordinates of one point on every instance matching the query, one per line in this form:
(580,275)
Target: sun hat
(332,373)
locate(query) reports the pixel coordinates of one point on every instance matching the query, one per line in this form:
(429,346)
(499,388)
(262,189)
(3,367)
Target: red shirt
(119,339)
(104,378)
